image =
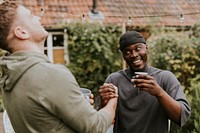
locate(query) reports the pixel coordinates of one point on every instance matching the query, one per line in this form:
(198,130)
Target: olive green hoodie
(41,97)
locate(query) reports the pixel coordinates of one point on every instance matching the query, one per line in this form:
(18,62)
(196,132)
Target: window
(58,40)
(54,47)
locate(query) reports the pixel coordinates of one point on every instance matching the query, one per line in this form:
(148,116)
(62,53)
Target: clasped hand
(107,92)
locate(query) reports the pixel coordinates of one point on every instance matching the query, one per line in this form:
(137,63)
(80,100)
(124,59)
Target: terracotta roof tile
(142,12)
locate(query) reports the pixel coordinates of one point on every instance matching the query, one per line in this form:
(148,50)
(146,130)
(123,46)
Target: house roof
(132,12)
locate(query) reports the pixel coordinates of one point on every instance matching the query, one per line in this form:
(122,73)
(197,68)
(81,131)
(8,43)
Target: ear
(21,33)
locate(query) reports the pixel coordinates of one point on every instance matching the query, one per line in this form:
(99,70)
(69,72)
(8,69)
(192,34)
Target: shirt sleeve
(173,87)
(70,105)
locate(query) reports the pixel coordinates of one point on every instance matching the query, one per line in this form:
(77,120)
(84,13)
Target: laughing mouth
(136,61)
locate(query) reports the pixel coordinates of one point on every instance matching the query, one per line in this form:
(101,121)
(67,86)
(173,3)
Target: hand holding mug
(145,82)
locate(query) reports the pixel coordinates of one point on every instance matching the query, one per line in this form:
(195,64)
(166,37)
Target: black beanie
(129,38)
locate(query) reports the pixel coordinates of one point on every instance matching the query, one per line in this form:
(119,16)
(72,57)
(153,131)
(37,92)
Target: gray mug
(86,93)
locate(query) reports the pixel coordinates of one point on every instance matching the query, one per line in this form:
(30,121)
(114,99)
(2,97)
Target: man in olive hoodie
(41,97)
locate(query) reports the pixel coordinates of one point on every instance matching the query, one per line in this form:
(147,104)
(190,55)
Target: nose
(134,53)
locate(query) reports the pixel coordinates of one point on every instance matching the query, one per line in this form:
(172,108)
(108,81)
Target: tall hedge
(93,53)
(177,51)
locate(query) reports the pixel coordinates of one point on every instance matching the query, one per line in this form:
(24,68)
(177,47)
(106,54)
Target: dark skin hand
(148,84)
(107,92)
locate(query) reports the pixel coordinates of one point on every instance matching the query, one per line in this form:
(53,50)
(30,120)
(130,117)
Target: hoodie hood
(12,67)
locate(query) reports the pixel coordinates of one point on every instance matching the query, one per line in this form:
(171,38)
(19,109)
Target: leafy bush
(194,121)
(195,116)
(178,52)
(2,52)
(1,104)
(93,53)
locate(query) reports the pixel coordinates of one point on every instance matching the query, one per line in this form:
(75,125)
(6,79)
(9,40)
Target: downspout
(94,7)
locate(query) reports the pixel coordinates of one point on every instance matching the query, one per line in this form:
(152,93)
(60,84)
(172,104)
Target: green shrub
(2,52)
(93,53)
(178,52)
(195,116)
(194,121)
(1,104)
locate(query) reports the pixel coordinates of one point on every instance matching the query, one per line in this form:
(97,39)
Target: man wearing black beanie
(131,37)
(148,97)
